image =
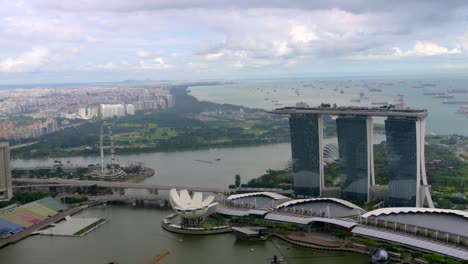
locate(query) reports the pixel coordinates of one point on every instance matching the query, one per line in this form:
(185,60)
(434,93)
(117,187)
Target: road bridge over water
(107,184)
(115,186)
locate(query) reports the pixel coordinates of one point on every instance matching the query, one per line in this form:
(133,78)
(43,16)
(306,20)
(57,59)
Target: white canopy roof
(272,195)
(336,200)
(416,242)
(405,210)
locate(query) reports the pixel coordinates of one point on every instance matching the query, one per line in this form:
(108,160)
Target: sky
(54,41)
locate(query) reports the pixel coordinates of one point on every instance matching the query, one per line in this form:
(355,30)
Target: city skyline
(60,42)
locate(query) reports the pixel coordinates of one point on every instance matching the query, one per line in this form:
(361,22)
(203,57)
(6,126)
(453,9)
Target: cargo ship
(444,96)
(433,93)
(374,90)
(456,102)
(457,91)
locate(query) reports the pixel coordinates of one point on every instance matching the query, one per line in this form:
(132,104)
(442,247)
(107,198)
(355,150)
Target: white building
(92,111)
(130,109)
(82,112)
(192,209)
(162,102)
(170,101)
(112,110)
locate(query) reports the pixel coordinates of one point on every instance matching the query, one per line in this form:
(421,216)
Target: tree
(238,180)
(59,170)
(93,189)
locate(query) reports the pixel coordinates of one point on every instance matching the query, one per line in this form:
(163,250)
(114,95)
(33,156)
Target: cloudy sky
(113,40)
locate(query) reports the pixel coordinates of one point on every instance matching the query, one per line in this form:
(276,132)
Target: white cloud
(431,49)
(156,64)
(420,49)
(26,62)
(281,48)
(143,54)
(224,35)
(47,28)
(302,34)
(214,56)
(238,65)
(107,66)
(462,41)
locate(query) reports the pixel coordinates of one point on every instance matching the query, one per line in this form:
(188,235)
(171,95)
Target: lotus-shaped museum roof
(190,206)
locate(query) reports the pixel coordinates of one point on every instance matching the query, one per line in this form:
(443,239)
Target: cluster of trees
(26,197)
(49,173)
(74,200)
(272,179)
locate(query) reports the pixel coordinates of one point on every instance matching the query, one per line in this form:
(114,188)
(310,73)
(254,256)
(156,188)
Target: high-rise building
(6,191)
(307,154)
(405,130)
(112,110)
(170,100)
(82,112)
(162,102)
(406,163)
(130,109)
(356,157)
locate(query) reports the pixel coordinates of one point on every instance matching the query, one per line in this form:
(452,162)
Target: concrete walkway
(69,227)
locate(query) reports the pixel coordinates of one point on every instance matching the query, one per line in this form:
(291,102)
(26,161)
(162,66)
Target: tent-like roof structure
(412,241)
(307,220)
(271,195)
(239,212)
(406,210)
(311,200)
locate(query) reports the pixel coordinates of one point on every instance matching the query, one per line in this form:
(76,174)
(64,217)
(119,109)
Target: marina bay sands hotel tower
(405,129)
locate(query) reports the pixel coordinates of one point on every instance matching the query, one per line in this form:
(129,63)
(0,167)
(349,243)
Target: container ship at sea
(457,91)
(456,102)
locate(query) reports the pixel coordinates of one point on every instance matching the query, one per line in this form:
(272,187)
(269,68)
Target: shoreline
(151,150)
(147,173)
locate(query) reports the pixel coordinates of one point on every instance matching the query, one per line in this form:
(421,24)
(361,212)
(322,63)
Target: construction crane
(159,257)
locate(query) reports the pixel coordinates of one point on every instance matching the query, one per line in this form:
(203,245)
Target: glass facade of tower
(402,161)
(354,156)
(305,148)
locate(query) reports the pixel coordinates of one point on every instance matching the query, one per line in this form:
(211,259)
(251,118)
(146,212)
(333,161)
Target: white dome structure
(193,210)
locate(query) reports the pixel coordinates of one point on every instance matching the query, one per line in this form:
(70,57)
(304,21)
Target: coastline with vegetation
(192,124)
